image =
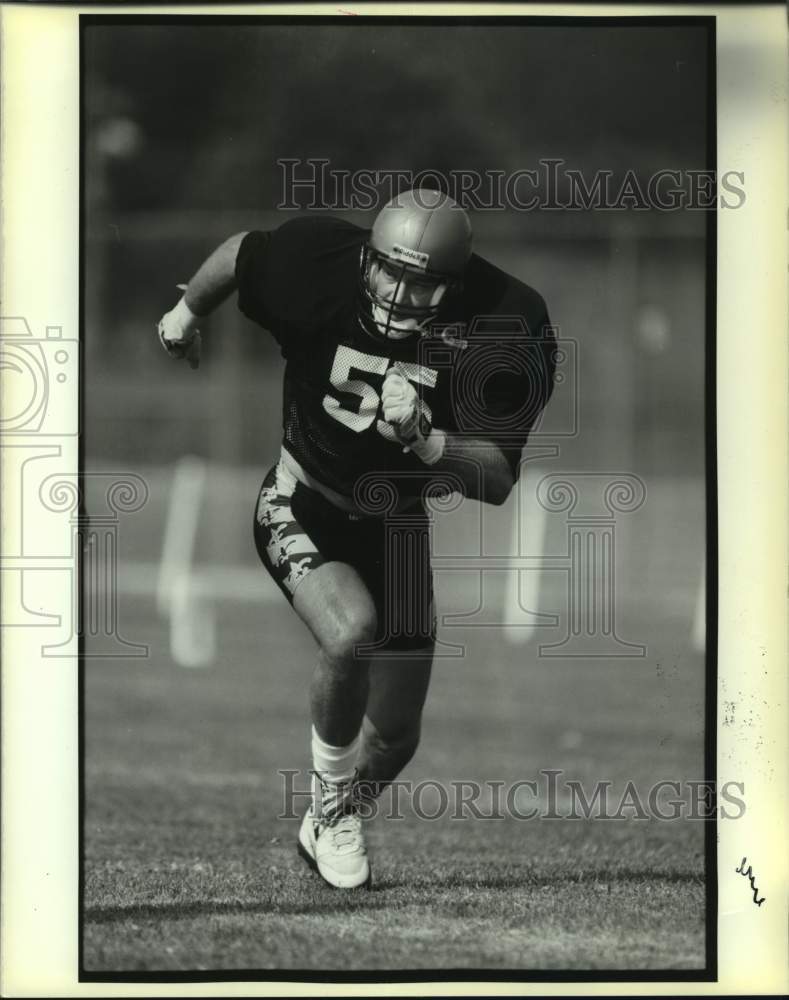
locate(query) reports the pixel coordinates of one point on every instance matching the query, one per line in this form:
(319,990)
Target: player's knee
(398,742)
(343,645)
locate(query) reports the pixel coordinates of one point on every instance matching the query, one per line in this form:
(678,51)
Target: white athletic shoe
(335,848)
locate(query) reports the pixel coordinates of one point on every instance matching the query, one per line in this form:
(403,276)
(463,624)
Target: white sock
(335,765)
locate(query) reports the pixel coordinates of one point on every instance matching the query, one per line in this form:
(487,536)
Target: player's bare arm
(481,467)
(214,282)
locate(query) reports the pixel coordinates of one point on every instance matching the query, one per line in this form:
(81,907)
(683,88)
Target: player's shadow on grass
(531,878)
(315,898)
(187,911)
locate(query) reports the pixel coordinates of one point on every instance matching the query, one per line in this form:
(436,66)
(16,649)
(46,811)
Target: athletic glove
(403,409)
(179,335)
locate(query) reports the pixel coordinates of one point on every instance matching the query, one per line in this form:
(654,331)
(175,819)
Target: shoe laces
(338,795)
(339,822)
(345,830)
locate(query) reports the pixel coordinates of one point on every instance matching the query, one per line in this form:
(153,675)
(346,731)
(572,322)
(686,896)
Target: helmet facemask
(398,299)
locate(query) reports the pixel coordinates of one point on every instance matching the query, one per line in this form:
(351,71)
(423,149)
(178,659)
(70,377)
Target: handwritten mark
(748,873)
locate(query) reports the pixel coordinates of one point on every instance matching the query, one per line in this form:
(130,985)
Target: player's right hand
(179,335)
(400,404)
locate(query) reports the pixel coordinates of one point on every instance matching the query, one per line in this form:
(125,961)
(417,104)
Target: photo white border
(40,201)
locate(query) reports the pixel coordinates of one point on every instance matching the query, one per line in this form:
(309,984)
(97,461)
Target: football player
(412,366)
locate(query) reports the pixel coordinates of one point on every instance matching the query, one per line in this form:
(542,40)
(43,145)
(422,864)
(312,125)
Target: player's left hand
(179,335)
(402,409)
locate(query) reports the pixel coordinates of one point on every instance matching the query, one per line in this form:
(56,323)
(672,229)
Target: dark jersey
(485,371)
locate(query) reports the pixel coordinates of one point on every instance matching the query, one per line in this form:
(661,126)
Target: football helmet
(415,257)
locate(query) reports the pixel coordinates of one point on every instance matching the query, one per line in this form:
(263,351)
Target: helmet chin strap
(391,329)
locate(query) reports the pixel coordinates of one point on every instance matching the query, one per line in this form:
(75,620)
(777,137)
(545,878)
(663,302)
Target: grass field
(187,866)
